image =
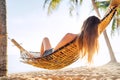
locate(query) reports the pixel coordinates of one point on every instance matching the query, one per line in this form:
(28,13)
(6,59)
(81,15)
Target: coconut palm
(3,39)
(53,4)
(103,5)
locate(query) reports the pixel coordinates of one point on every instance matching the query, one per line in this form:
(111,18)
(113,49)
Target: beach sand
(109,71)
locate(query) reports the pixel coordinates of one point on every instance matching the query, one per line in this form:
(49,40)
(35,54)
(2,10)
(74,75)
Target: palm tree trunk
(112,56)
(3,39)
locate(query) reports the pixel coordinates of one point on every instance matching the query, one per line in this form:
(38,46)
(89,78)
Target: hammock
(62,57)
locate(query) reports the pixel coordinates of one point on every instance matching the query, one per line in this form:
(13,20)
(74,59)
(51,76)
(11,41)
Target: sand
(109,71)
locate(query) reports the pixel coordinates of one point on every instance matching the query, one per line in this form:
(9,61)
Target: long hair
(88,38)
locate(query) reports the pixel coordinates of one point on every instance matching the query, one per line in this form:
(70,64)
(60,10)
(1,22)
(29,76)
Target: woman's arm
(66,39)
(106,20)
(114,4)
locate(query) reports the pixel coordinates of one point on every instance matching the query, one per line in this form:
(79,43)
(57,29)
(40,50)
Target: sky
(28,23)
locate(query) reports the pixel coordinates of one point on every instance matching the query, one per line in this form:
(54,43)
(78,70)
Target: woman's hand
(114,3)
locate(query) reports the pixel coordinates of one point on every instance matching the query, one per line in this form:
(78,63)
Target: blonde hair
(88,38)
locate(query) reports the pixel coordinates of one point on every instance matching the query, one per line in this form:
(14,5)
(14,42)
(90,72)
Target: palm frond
(102,4)
(113,27)
(45,3)
(74,5)
(81,2)
(118,11)
(115,24)
(118,19)
(71,9)
(52,5)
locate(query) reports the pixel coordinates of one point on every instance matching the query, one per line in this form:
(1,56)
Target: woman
(87,39)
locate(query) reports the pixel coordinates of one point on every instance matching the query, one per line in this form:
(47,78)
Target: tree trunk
(3,39)
(112,56)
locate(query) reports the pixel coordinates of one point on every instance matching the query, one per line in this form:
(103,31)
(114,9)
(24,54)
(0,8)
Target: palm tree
(53,4)
(105,4)
(3,39)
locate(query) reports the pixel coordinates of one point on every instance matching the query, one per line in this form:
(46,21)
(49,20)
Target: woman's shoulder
(66,39)
(71,34)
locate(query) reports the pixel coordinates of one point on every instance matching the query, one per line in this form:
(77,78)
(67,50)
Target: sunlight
(30,27)
(101,59)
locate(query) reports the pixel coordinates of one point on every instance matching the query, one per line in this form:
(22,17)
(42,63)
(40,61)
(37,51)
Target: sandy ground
(109,71)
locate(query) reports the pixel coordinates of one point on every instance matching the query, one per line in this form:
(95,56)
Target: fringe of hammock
(24,53)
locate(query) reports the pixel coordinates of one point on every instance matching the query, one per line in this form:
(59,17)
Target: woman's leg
(45,45)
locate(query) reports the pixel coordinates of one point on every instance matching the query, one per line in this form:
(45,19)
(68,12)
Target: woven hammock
(62,57)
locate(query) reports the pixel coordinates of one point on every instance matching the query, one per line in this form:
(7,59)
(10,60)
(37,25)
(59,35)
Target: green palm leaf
(53,4)
(102,4)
